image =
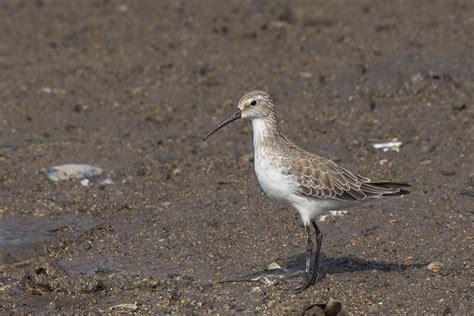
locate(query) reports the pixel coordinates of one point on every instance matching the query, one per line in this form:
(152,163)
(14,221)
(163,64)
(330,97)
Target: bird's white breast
(273,181)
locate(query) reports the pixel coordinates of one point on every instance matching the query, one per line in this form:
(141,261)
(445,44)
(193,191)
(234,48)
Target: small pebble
(471,179)
(247,158)
(333,307)
(306,75)
(273,266)
(72,171)
(177,171)
(434,266)
(447,171)
(106,181)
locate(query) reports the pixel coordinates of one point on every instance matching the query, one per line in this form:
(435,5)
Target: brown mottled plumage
(303,180)
(321,178)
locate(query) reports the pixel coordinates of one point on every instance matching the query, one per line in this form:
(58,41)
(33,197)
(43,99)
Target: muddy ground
(132,86)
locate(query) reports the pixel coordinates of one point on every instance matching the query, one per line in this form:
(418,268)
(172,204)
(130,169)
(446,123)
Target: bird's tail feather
(385,189)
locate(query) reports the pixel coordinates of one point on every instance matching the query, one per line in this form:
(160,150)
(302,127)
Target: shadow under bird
(311,184)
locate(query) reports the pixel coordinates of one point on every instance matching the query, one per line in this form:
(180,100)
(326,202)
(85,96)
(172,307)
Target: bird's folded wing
(322,178)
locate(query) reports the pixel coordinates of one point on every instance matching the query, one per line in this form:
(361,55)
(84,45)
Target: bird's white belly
(311,208)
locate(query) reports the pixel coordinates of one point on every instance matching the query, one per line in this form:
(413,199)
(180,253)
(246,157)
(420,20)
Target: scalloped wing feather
(321,178)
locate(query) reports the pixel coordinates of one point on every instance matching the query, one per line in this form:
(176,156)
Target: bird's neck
(265,131)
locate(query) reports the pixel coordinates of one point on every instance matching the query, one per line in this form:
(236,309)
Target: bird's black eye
(253,102)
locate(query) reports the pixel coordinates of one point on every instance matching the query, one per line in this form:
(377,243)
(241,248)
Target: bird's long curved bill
(234,116)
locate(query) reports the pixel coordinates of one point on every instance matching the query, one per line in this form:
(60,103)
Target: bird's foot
(303,287)
(309,281)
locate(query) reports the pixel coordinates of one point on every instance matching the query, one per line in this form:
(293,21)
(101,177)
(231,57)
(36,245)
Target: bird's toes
(303,287)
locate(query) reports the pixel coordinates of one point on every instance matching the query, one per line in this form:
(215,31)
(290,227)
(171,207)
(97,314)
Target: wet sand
(132,87)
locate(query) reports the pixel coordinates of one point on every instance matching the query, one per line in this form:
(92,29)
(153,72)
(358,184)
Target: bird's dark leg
(317,254)
(309,255)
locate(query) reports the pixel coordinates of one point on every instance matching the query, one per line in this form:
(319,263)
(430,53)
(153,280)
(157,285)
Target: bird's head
(253,105)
